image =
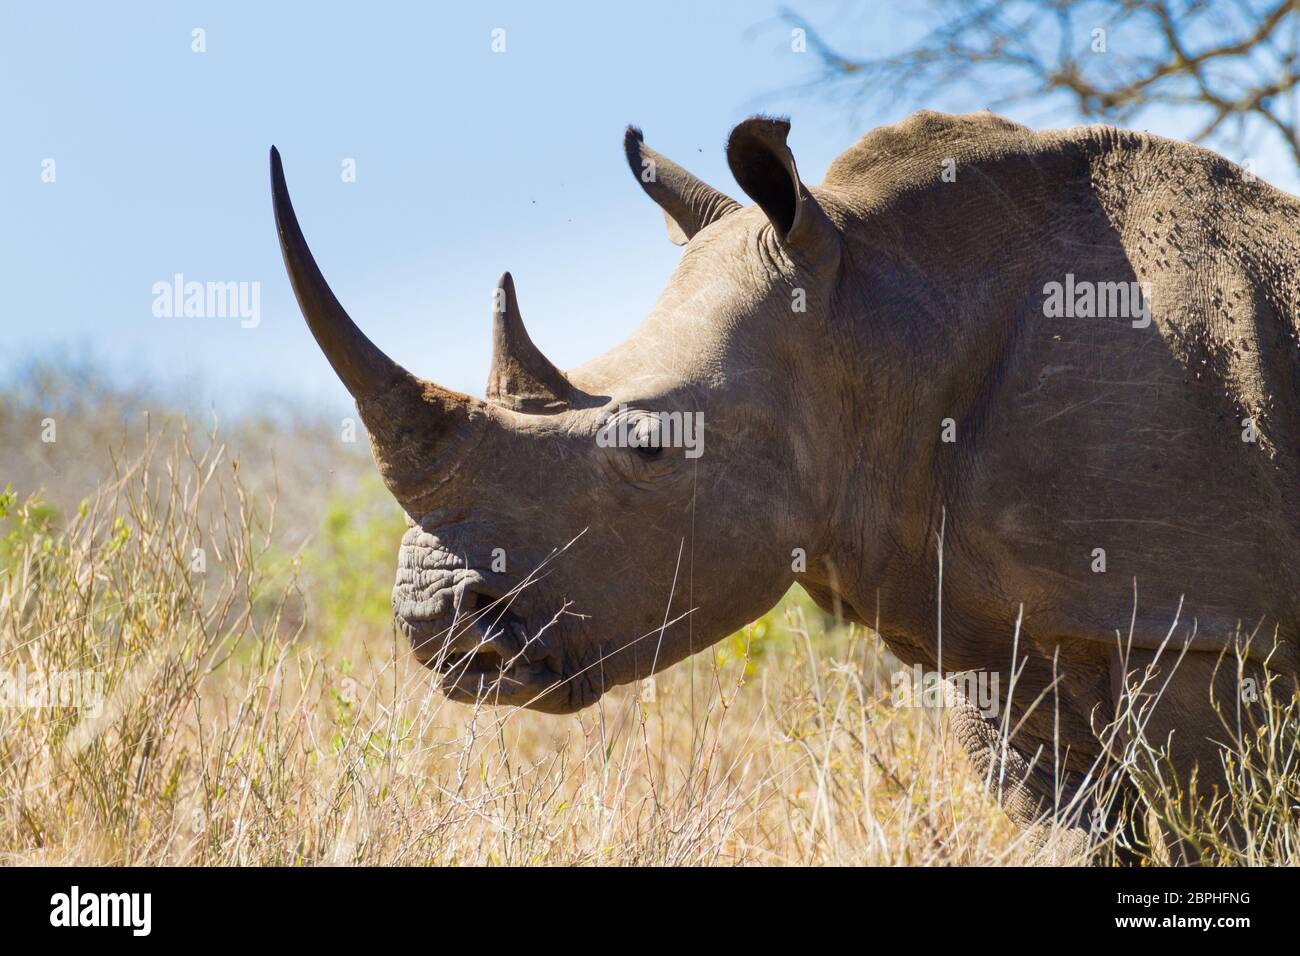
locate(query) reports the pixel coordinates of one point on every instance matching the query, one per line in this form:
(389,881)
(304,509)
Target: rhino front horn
(364,369)
(521,377)
(410,421)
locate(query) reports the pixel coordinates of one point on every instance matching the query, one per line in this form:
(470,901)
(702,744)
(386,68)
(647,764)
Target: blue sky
(468,163)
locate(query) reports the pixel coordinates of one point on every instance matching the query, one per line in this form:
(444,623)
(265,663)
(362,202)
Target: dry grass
(246,720)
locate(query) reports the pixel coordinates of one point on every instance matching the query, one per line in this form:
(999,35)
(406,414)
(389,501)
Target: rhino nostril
(469,626)
(481,601)
(469,606)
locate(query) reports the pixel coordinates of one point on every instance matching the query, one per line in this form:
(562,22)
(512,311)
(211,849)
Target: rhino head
(575,531)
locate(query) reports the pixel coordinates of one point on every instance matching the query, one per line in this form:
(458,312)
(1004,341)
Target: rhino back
(1173,445)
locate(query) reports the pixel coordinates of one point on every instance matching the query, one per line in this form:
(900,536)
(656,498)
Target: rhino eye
(645,438)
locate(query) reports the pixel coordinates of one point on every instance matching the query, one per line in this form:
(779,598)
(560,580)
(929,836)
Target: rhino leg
(1066,821)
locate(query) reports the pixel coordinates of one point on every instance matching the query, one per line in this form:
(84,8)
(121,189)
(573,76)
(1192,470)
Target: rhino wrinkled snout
(447,611)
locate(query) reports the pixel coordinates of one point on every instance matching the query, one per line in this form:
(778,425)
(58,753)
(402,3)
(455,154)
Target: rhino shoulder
(921,141)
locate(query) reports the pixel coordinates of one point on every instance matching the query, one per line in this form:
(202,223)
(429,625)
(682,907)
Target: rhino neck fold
(943,280)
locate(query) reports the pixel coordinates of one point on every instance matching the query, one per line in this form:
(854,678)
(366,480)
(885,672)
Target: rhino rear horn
(521,377)
(689,203)
(765,169)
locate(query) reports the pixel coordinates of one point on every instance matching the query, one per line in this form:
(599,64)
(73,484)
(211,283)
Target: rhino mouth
(499,643)
(483,653)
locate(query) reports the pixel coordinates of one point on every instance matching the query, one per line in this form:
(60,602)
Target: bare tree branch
(1228,65)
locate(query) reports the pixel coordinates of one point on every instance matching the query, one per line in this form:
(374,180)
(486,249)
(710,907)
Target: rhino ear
(689,203)
(764,167)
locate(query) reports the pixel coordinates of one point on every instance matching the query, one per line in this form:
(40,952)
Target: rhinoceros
(1024,403)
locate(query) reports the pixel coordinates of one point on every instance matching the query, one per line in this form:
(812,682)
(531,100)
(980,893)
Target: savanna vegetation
(228,588)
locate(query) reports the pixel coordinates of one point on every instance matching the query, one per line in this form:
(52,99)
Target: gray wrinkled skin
(924,302)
